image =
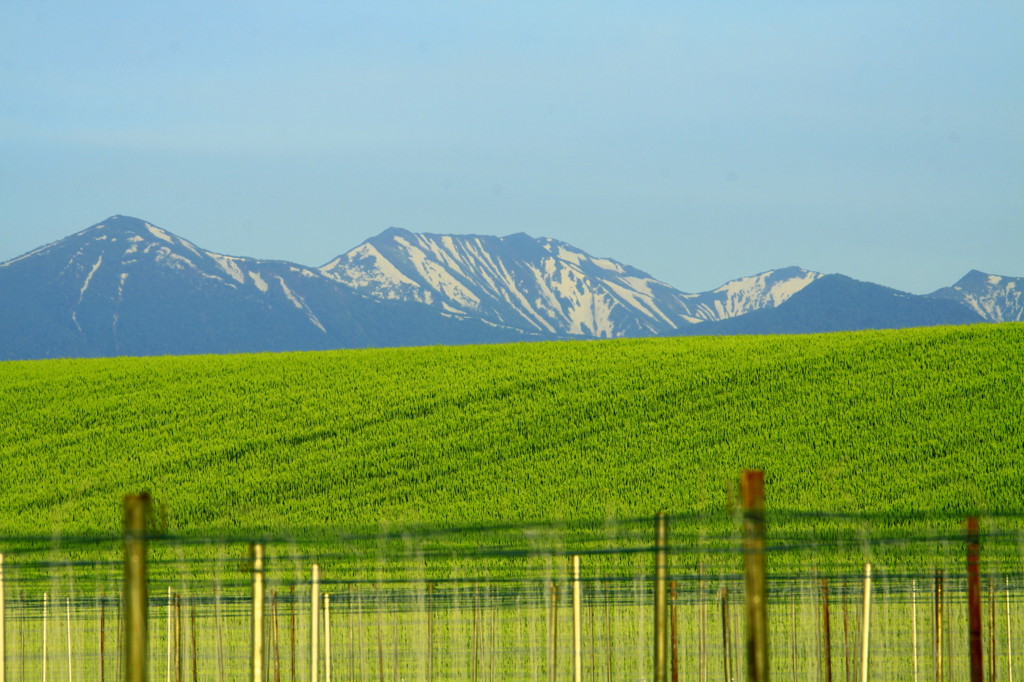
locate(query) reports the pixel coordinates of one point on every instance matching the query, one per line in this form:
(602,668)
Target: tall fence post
(577,634)
(3,620)
(136,594)
(726,646)
(314,625)
(752,493)
(553,633)
(256,626)
(661,598)
(827,644)
(938,626)
(974,601)
(327,637)
(866,634)
(913,622)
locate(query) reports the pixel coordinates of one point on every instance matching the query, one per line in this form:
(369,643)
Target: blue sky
(698,141)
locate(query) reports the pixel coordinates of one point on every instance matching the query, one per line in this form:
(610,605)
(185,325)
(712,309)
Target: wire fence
(495,602)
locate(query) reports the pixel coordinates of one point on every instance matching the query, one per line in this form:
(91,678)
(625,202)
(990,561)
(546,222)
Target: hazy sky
(698,141)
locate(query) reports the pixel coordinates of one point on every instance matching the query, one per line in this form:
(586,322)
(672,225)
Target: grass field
(888,421)
(478,469)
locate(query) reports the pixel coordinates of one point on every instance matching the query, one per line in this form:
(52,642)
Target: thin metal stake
(938,626)
(314,625)
(577,634)
(46,609)
(71,666)
(726,659)
(913,622)
(170,624)
(866,634)
(256,623)
(327,637)
(828,631)
(991,633)
(1009,638)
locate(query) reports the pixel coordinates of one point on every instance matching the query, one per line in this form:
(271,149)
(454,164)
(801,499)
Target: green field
(888,421)
(476,470)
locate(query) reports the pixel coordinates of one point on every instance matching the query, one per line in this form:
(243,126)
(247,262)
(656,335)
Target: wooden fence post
(974,601)
(752,492)
(136,594)
(661,598)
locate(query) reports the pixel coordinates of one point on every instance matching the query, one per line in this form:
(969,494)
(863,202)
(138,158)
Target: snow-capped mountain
(544,285)
(839,303)
(126,287)
(995,297)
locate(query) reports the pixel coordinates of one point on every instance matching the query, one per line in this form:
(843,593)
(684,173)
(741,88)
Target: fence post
(314,625)
(577,635)
(828,630)
(1009,635)
(327,637)
(136,595)
(974,601)
(913,622)
(726,659)
(938,626)
(3,632)
(752,492)
(71,661)
(256,626)
(430,629)
(553,634)
(866,634)
(46,618)
(661,598)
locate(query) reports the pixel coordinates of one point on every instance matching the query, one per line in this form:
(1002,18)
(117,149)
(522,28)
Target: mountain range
(127,287)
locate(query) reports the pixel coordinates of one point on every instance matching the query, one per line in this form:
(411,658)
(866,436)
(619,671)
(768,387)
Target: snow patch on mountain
(230,267)
(88,278)
(996,298)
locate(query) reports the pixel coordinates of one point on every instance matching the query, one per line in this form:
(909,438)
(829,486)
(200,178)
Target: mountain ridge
(126,286)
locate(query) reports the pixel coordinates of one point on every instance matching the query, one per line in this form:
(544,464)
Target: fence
(668,598)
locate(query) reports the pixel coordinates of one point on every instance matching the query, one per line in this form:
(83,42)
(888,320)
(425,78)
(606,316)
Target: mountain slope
(544,285)
(125,287)
(840,303)
(993,297)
